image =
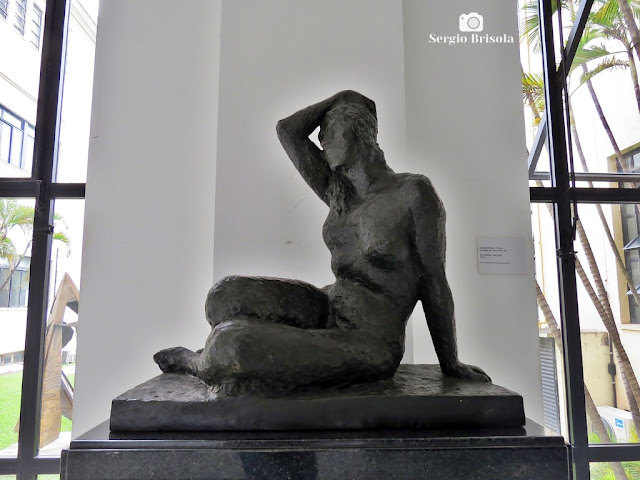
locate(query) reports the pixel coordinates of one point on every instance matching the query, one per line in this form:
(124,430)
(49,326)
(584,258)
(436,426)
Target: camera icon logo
(472,22)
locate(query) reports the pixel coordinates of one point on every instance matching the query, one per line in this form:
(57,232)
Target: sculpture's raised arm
(293,133)
(429,217)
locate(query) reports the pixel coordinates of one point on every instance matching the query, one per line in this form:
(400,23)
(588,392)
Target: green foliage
(10,389)
(603,471)
(533,91)
(529,25)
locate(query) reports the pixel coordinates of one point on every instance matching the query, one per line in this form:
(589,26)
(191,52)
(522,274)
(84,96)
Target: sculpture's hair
(340,192)
(361,117)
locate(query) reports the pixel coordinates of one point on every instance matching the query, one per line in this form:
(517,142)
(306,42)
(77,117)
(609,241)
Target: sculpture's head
(347,131)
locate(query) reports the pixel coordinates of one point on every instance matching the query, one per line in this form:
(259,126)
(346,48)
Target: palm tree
(609,24)
(15,216)
(630,23)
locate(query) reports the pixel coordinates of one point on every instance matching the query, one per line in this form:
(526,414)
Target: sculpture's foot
(177,359)
(466,372)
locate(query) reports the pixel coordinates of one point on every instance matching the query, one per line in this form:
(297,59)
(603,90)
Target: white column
(148,244)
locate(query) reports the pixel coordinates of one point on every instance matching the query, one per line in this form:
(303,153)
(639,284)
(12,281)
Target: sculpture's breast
(371,234)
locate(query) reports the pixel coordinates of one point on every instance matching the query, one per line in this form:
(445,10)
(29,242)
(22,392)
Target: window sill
(630,326)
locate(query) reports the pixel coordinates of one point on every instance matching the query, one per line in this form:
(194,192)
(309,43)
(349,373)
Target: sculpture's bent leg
(276,300)
(250,299)
(250,350)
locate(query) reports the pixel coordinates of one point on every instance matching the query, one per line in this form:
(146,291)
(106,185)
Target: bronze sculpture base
(416,397)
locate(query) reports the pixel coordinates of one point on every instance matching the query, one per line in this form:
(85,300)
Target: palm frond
(605,65)
(7,248)
(62,238)
(607,15)
(588,54)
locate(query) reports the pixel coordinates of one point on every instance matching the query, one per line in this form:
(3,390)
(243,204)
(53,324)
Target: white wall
(278,57)
(466,132)
(147,260)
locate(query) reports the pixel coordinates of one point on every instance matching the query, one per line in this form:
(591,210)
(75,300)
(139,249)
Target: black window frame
(42,186)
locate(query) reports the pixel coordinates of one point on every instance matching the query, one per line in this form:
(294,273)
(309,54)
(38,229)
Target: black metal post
(573,41)
(45,159)
(563,215)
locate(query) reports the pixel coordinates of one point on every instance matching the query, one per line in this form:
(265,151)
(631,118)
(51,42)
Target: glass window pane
(551,360)
(36,26)
(605,103)
(16,222)
(604,96)
(5,141)
(15,156)
(20,15)
(78,90)
(607,268)
(532,83)
(614,471)
(27,153)
(59,370)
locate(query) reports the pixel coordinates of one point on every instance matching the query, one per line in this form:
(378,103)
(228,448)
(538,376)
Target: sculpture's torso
(370,245)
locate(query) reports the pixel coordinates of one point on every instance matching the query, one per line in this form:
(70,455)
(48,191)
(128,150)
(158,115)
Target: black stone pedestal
(527,453)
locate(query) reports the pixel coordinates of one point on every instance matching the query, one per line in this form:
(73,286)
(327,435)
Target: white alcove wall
(172,98)
(466,132)
(149,218)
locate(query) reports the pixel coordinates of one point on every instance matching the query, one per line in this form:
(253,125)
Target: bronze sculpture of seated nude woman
(386,235)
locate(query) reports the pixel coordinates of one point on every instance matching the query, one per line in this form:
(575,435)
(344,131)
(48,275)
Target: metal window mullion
(45,157)
(586,195)
(628,452)
(564,232)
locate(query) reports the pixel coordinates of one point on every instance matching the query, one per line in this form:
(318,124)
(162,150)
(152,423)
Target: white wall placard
(501,256)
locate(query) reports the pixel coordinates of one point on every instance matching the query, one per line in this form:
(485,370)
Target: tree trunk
(605,226)
(15,266)
(592,411)
(630,23)
(603,120)
(634,73)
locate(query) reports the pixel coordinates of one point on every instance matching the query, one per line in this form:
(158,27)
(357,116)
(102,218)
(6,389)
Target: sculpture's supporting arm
(429,238)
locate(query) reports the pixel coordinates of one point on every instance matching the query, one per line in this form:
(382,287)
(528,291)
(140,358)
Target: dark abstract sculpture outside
(386,235)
